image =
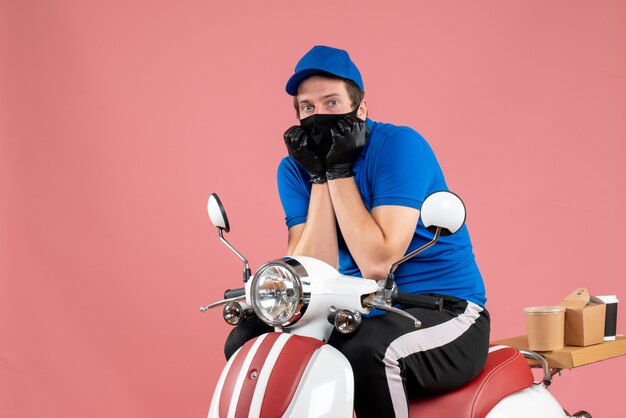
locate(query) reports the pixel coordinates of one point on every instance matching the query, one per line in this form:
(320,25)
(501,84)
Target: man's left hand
(347,144)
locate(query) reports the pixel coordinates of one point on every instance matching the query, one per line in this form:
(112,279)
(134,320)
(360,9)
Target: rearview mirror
(218,217)
(442,213)
(217,214)
(443,210)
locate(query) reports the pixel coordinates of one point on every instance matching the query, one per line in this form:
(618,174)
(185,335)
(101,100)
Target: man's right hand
(299,148)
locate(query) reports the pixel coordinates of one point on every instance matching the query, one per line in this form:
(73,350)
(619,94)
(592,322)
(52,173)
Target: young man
(351,190)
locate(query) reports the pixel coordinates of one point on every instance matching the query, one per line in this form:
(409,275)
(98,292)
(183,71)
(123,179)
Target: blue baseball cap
(324,60)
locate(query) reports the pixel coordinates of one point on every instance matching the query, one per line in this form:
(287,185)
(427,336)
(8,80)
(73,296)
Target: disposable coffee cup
(610,323)
(545,326)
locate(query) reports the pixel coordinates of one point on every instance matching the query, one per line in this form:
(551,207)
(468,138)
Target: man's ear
(362,112)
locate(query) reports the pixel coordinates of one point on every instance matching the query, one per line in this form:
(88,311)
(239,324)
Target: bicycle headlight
(277,293)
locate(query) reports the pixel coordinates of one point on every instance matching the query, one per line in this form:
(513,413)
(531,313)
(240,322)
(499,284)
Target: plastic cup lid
(608,298)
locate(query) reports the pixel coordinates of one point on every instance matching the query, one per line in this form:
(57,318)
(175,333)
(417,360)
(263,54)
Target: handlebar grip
(420,301)
(234,293)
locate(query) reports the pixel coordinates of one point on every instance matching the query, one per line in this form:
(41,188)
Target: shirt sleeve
(294,190)
(405,169)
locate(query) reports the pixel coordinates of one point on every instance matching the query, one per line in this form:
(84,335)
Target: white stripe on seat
(497,347)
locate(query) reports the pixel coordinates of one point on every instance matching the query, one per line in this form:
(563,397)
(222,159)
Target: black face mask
(318,127)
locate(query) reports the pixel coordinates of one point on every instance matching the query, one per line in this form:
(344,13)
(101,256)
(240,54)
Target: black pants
(393,362)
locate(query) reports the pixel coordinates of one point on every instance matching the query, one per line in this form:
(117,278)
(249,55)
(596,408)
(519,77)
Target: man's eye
(333,103)
(307,108)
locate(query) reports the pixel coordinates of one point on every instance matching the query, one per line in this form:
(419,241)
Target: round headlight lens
(276,292)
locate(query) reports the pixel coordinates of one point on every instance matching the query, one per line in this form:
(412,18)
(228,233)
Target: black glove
(300,148)
(348,143)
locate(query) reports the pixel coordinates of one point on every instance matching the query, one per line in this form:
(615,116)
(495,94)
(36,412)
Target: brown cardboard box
(584,319)
(569,357)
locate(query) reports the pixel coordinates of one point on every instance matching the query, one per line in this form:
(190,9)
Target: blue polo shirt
(397,167)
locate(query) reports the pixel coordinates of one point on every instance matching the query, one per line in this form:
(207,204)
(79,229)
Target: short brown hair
(354,92)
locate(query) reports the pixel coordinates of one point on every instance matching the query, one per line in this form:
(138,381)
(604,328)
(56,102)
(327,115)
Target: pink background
(118,118)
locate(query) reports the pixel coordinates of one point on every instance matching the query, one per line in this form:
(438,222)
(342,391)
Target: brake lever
(221,302)
(372,302)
